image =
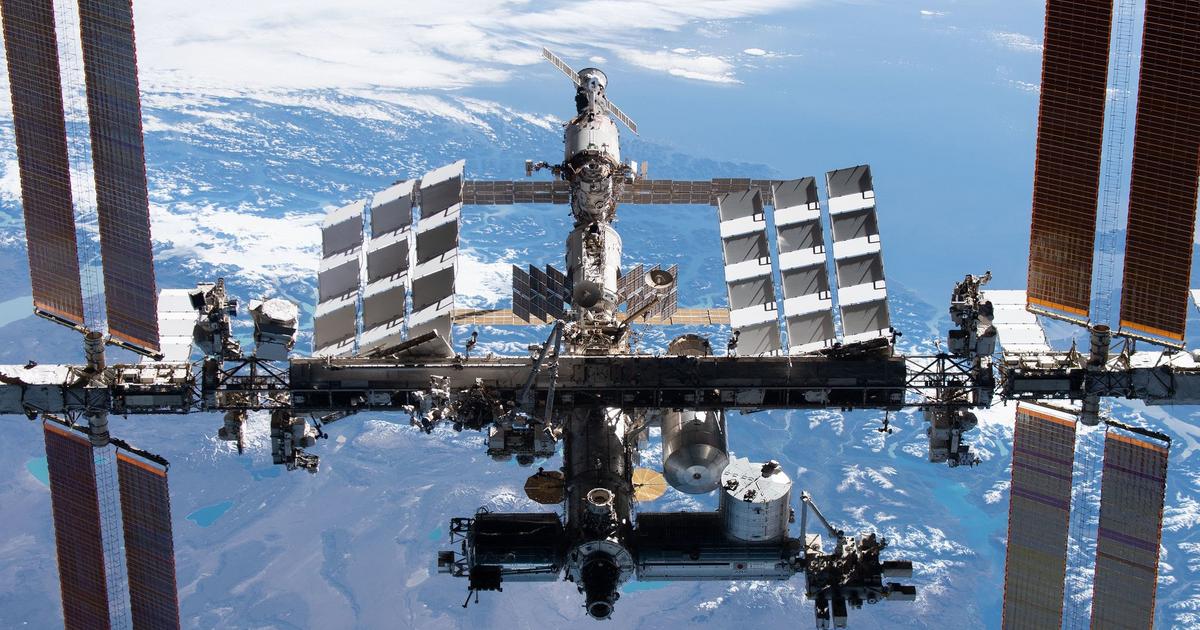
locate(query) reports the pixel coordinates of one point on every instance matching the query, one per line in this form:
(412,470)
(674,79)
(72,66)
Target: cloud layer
(418,44)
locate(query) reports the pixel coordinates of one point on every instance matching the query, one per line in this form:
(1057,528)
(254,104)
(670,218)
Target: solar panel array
(1067,173)
(119,163)
(31,48)
(1040,505)
(807,299)
(542,295)
(1132,489)
(857,254)
(1162,187)
(636,294)
(1165,171)
(149,543)
(77,535)
(637,192)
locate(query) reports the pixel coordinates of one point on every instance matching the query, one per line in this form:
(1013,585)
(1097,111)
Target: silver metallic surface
(755,500)
(694,450)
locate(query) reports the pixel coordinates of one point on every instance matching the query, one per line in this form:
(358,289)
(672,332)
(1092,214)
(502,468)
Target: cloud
(417,44)
(1016,41)
(929,13)
(689,65)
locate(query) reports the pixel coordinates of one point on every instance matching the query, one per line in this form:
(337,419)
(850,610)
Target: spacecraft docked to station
(807,310)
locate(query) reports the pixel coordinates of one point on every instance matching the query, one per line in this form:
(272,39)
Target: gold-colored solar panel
(76,507)
(1067,169)
(1132,488)
(119,162)
(1162,187)
(149,545)
(40,129)
(1040,504)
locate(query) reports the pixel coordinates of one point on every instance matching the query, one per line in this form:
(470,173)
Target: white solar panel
(807,300)
(857,254)
(1016,328)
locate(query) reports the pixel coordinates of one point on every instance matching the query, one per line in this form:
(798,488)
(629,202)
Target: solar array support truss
(149,543)
(857,255)
(1067,173)
(75,502)
(1165,174)
(1132,488)
(1038,517)
(753,313)
(39,124)
(807,299)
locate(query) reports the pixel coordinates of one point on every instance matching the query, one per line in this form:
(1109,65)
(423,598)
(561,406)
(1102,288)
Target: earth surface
(940,97)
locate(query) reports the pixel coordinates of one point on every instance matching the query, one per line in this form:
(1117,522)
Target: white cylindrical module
(694,450)
(593,258)
(593,135)
(755,500)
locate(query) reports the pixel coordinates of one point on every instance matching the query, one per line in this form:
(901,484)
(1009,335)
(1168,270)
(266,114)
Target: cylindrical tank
(593,257)
(593,135)
(694,450)
(690,345)
(755,500)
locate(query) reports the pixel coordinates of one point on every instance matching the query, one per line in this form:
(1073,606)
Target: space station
(808,315)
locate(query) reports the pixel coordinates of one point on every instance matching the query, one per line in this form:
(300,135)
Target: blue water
(634,586)
(258,474)
(15,309)
(37,467)
(208,515)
